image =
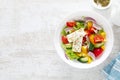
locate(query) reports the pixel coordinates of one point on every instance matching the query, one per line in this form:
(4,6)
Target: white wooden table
(26,40)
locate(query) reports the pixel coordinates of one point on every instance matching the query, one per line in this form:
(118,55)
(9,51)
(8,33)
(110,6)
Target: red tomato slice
(88,33)
(71,24)
(97,52)
(92,30)
(64,39)
(98,38)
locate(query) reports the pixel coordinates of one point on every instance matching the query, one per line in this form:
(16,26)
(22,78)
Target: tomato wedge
(92,30)
(88,33)
(98,39)
(71,24)
(64,39)
(97,52)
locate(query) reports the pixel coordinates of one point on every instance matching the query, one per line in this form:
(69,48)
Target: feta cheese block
(77,44)
(76,37)
(73,36)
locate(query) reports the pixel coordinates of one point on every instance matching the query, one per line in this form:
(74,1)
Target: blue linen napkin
(112,70)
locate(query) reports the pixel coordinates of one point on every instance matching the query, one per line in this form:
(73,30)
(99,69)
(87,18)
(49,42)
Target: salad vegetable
(83,59)
(97,51)
(68,46)
(71,24)
(64,39)
(83,40)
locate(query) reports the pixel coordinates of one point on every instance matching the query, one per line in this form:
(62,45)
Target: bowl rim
(70,62)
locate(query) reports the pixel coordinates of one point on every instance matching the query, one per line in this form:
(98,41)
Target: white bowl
(109,36)
(100,7)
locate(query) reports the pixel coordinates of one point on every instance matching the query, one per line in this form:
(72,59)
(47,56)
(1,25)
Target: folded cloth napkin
(112,70)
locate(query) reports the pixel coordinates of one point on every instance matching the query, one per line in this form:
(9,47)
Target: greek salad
(83,40)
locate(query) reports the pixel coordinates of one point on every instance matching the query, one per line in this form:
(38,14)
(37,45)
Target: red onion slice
(92,55)
(90,19)
(68,29)
(66,56)
(98,27)
(95,24)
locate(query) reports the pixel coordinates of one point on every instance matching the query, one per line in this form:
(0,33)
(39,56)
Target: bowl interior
(100,20)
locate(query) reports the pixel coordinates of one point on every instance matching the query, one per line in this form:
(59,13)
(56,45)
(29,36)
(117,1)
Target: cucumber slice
(76,28)
(63,46)
(63,32)
(97,45)
(71,55)
(91,47)
(83,59)
(80,24)
(100,31)
(68,46)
